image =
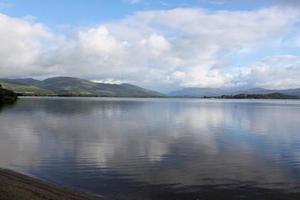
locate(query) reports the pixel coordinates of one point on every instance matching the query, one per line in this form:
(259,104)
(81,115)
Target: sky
(158,44)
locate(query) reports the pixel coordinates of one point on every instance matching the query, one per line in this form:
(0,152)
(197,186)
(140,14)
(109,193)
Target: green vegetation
(69,86)
(259,96)
(7,96)
(25,89)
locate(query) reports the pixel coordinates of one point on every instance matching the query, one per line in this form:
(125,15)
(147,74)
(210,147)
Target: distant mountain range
(293,92)
(69,86)
(197,92)
(215,92)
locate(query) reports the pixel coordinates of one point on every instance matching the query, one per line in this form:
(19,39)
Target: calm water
(157,148)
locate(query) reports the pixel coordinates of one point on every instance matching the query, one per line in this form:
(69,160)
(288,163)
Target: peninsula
(7,96)
(16,186)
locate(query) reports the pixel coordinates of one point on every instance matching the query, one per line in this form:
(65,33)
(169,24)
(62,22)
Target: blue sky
(82,12)
(161,44)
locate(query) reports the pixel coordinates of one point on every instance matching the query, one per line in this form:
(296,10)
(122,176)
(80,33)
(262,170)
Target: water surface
(126,148)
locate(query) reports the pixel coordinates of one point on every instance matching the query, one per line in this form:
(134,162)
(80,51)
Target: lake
(142,149)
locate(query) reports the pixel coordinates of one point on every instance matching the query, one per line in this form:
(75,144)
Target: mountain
(295,92)
(254,91)
(27,81)
(197,92)
(215,92)
(291,92)
(69,86)
(25,89)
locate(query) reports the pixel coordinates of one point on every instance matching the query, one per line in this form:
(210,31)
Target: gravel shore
(16,186)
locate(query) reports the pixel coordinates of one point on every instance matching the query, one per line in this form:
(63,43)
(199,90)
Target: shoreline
(17,186)
(116,97)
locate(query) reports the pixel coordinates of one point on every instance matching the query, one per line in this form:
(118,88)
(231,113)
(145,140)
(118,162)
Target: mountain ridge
(71,86)
(197,92)
(215,92)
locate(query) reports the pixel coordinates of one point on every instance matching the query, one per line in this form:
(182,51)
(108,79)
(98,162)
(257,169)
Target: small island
(7,96)
(275,95)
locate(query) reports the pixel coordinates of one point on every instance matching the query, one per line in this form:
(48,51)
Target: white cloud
(178,75)
(178,47)
(275,72)
(22,42)
(98,40)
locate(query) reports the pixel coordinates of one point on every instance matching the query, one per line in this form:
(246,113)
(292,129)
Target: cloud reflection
(171,142)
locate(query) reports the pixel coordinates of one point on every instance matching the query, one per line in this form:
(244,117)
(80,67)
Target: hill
(25,89)
(70,86)
(197,92)
(254,91)
(215,92)
(292,92)
(295,92)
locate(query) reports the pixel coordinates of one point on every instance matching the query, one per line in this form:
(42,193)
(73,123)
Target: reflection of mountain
(156,148)
(66,106)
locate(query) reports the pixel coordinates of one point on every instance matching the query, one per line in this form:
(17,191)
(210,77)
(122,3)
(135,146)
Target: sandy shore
(16,186)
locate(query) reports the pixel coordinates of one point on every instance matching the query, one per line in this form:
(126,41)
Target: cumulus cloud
(274,72)
(22,42)
(174,48)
